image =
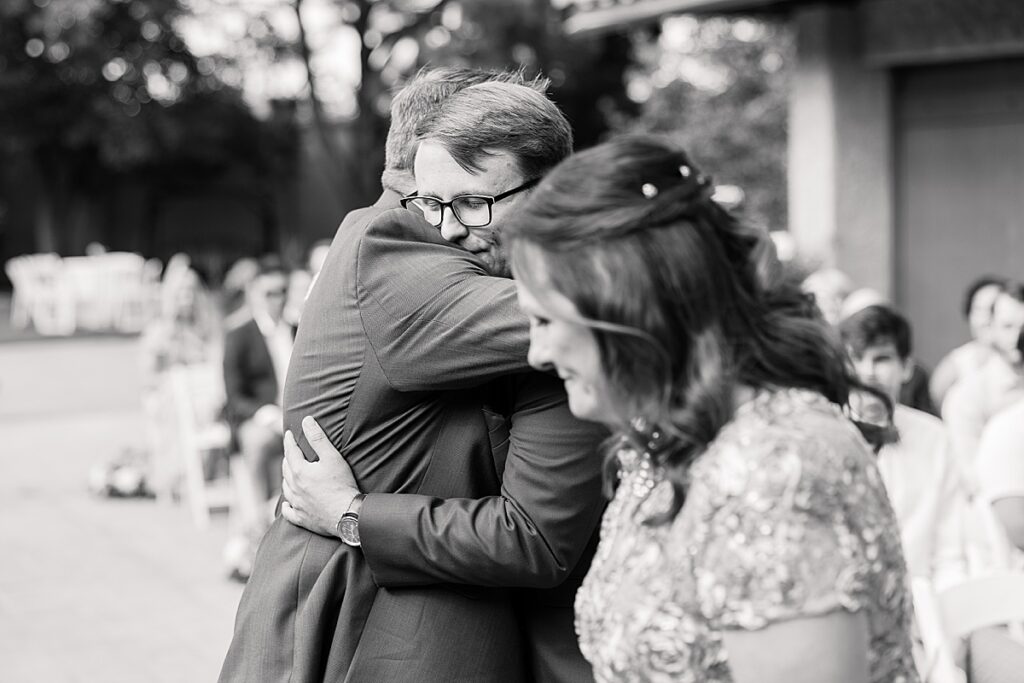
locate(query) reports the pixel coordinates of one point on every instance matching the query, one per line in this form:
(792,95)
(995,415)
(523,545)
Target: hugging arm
(531,535)
(439,322)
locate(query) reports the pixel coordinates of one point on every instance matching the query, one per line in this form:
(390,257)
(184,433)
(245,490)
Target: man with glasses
(399,366)
(256,354)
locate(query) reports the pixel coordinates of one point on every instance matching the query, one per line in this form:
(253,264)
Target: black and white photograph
(512,341)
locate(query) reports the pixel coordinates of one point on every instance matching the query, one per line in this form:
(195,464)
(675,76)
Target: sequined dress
(785,516)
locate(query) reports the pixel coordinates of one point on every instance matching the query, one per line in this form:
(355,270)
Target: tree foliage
(397,37)
(90,88)
(719,87)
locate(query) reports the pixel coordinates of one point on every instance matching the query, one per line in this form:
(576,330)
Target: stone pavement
(95,590)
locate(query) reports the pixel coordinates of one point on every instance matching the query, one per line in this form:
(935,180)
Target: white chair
(196,393)
(50,304)
(21,293)
(945,617)
(129,292)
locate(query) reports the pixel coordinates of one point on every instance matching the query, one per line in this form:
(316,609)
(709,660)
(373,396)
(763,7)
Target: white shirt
(279,343)
(972,402)
(927,495)
(1000,468)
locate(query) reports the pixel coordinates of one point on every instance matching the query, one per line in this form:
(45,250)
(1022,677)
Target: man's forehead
(437,172)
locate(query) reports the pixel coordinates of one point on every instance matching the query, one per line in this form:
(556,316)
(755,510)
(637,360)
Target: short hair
(423,95)
(494,117)
(976,286)
(876,325)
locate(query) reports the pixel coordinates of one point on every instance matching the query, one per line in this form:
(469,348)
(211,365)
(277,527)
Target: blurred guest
(974,399)
(185,332)
(920,475)
(914,392)
(829,287)
(317,255)
(236,282)
(858,300)
(967,359)
(299,282)
(1000,468)
(750,537)
(256,355)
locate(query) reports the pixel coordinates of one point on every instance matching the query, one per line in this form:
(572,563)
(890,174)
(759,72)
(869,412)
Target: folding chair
(947,616)
(196,393)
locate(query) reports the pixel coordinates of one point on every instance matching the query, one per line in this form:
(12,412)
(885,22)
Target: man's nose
(451,229)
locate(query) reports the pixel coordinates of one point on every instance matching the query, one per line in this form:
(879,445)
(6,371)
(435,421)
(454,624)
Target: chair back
(983,601)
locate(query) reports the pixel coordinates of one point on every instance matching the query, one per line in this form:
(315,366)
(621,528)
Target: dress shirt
(279,340)
(972,402)
(1000,467)
(927,495)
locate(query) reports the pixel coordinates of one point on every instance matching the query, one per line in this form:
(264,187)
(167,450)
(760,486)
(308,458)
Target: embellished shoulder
(796,512)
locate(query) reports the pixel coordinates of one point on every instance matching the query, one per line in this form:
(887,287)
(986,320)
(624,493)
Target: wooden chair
(945,617)
(196,393)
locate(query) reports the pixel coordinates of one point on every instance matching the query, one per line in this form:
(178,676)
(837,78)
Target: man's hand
(317,493)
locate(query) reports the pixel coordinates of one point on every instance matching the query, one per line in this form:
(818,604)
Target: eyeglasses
(472,210)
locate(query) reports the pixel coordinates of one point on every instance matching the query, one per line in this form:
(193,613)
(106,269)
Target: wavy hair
(686,302)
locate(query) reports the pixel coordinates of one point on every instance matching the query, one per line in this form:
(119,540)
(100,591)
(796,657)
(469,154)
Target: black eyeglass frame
(490,200)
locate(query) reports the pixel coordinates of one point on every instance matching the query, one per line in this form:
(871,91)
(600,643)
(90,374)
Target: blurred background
(151,150)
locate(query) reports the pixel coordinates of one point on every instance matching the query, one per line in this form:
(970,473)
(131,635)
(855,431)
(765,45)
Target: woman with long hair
(749,537)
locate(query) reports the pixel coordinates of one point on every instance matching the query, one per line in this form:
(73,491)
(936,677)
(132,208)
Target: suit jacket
(397,321)
(249,379)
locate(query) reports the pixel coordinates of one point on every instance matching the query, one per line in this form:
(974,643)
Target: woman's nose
(538,357)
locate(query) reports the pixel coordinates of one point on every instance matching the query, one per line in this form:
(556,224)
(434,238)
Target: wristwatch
(348,525)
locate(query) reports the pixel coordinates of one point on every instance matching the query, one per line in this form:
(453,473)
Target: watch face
(348,529)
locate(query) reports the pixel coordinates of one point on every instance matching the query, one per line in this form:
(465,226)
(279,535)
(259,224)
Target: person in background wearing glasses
(411,355)
(256,354)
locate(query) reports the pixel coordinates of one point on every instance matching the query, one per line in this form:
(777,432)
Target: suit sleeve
(432,315)
(532,535)
(240,404)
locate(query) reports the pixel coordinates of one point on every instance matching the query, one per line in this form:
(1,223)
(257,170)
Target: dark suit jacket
(399,319)
(249,378)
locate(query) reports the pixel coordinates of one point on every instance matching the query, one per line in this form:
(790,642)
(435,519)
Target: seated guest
(186,330)
(919,472)
(750,537)
(965,360)
(299,283)
(233,291)
(829,287)
(914,392)
(1000,468)
(256,354)
(972,401)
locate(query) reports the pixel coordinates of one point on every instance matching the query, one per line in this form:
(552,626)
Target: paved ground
(95,590)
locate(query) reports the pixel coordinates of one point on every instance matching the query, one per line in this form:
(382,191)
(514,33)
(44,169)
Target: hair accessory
(649,190)
(685,171)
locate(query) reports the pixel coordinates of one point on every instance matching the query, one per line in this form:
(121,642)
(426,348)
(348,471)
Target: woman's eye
(538,322)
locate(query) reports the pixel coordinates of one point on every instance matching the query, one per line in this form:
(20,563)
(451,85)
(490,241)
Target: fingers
(317,439)
(292,452)
(287,489)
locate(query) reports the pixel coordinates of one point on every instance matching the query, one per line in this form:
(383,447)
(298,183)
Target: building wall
(903,128)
